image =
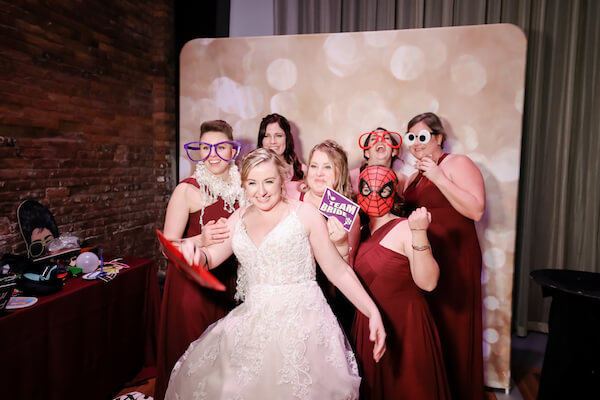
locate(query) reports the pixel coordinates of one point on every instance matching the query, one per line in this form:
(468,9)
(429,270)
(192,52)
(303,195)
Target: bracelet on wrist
(200,265)
(421,248)
(418,229)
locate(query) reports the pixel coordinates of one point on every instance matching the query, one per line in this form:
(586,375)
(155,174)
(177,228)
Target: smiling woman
(328,167)
(196,210)
(380,147)
(452,187)
(283,339)
(275,133)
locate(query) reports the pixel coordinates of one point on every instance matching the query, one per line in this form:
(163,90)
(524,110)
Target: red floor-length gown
(188,309)
(456,303)
(412,366)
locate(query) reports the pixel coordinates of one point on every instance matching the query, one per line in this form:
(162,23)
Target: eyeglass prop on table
(50,261)
(198,274)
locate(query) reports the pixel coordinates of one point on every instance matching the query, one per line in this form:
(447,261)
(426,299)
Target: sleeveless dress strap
(442,158)
(191,181)
(386,228)
(420,175)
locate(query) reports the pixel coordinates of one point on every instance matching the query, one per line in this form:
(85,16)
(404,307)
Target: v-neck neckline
(289,214)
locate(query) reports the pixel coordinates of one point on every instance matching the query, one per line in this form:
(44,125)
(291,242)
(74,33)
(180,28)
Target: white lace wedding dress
(282,342)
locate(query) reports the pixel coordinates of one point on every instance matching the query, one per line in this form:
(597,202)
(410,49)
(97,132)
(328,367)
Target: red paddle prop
(200,275)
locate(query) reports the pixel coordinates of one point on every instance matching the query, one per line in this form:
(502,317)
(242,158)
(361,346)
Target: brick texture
(87,119)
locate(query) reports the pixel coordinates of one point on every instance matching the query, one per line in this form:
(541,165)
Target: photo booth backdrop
(338,86)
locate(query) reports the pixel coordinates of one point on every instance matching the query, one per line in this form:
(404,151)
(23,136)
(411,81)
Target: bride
(283,341)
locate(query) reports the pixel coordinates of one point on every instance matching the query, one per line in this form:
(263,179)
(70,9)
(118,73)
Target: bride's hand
(377,335)
(193,254)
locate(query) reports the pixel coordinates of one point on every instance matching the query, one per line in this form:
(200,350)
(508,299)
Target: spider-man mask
(376,189)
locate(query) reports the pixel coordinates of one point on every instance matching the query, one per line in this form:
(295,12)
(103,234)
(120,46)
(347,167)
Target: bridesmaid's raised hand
(429,168)
(193,254)
(419,219)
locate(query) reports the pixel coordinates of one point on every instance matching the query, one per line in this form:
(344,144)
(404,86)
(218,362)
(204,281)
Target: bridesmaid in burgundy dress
(396,265)
(328,167)
(198,208)
(452,189)
(275,133)
(380,147)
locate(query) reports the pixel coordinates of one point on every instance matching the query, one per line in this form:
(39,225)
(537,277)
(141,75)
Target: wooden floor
(526,387)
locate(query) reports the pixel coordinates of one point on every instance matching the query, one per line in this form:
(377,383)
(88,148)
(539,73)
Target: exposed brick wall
(87,119)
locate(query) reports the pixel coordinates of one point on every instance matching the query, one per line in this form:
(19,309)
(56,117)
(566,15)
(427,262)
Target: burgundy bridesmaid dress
(188,309)
(412,366)
(456,302)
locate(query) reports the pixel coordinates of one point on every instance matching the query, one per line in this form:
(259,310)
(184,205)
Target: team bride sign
(336,205)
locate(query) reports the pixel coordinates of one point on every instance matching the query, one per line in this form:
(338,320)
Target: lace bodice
(284,257)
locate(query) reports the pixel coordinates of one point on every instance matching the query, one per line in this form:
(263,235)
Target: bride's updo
(258,156)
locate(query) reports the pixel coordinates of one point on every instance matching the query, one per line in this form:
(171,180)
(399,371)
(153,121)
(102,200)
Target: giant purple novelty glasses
(200,151)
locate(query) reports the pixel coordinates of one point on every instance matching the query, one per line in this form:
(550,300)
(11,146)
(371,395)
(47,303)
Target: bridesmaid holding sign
(328,167)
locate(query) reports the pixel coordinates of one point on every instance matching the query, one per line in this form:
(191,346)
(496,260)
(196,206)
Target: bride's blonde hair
(259,156)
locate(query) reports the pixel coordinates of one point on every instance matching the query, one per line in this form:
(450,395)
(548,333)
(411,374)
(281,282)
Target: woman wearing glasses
(452,188)
(380,147)
(198,209)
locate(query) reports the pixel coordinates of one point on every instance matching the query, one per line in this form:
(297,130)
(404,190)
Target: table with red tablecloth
(85,341)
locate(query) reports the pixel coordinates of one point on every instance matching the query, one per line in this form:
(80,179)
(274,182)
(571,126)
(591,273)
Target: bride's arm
(341,275)
(214,255)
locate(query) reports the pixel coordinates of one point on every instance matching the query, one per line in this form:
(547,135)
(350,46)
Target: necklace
(212,187)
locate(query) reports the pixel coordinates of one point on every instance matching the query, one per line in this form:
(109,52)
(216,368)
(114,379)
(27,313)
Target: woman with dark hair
(380,147)
(275,133)
(452,188)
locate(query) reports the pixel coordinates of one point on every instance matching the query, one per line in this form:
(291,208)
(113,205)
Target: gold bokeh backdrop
(338,86)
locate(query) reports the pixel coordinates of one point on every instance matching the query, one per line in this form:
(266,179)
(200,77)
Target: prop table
(85,341)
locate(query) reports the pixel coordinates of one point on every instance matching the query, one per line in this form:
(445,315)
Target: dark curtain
(559,196)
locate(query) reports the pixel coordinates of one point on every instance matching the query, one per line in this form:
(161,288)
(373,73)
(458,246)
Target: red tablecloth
(83,342)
